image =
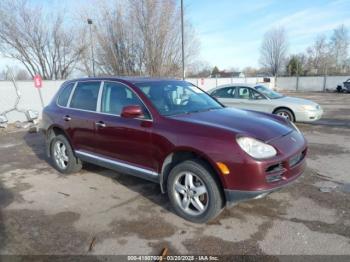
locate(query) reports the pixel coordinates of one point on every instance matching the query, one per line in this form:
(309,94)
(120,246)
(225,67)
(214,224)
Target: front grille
(274,173)
(276,168)
(273,178)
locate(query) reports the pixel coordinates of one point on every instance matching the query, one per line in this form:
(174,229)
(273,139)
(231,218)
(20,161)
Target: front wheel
(193,192)
(286,113)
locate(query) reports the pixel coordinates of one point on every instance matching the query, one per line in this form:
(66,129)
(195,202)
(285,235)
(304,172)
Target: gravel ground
(43,212)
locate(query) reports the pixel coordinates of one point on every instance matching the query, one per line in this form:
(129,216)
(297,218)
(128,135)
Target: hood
(297,101)
(255,124)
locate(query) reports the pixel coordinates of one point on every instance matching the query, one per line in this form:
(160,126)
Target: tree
(198,69)
(17,73)
(140,37)
(294,66)
(43,43)
(318,56)
(250,71)
(215,71)
(339,45)
(273,50)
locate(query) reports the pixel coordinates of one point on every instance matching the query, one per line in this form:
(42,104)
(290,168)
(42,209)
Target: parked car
(261,98)
(344,87)
(204,155)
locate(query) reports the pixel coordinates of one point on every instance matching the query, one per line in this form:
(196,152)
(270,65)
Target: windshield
(177,97)
(268,92)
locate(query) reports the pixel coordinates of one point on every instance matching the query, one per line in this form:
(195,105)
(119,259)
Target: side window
(227,92)
(115,96)
(64,94)
(255,95)
(85,96)
(244,93)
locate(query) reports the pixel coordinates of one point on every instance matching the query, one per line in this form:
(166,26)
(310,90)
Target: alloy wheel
(60,154)
(284,114)
(191,194)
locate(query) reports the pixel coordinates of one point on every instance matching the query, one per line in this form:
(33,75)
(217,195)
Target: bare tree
(339,44)
(43,43)
(318,56)
(273,50)
(140,37)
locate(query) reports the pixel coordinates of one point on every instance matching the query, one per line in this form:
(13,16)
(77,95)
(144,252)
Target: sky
(230,32)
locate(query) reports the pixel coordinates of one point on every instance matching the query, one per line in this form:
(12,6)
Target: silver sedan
(261,98)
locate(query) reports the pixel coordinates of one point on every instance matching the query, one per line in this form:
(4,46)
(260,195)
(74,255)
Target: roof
(132,80)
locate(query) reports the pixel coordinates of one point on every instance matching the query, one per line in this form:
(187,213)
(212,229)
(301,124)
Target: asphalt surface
(44,212)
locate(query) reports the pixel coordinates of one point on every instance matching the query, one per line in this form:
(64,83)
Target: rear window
(64,94)
(85,96)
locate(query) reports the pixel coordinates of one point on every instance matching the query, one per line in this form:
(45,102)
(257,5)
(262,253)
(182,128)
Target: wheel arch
(52,132)
(284,107)
(182,154)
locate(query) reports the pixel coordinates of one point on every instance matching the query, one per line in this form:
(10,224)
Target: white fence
(309,83)
(30,98)
(209,83)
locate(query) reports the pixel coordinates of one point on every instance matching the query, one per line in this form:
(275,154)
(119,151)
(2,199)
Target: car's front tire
(62,155)
(286,113)
(193,192)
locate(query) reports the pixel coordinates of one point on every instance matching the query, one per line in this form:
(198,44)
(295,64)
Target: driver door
(252,100)
(123,139)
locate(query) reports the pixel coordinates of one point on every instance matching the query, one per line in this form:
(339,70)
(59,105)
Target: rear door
(81,115)
(226,95)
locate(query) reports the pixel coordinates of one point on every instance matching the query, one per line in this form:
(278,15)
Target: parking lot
(44,212)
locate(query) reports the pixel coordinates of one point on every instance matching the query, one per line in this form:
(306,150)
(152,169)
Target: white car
(261,98)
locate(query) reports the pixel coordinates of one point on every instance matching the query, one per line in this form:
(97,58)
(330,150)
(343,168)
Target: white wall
(309,83)
(30,97)
(210,83)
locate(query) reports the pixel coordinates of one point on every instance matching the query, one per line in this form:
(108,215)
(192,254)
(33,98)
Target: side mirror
(133,111)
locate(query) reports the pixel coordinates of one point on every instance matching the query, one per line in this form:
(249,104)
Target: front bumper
(308,115)
(236,196)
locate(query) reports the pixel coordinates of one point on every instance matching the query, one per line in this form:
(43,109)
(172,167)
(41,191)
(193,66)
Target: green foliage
(294,66)
(215,71)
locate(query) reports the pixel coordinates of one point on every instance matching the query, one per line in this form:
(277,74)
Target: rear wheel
(286,113)
(193,192)
(62,155)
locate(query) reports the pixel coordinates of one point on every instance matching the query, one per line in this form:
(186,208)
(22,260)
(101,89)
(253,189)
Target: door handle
(67,118)
(100,124)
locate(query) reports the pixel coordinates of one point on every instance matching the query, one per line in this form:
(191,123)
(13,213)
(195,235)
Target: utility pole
(92,47)
(182,40)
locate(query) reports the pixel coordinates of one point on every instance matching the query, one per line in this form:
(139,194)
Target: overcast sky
(230,31)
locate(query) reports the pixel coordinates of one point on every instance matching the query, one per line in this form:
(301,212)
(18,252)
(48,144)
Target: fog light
(223,168)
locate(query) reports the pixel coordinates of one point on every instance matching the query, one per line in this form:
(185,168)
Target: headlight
(309,107)
(256,148)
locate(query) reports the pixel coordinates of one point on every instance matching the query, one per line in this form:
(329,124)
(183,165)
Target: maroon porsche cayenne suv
(205,156)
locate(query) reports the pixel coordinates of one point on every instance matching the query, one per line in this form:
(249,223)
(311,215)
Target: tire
(203,181)
(71,164)
(286,113)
